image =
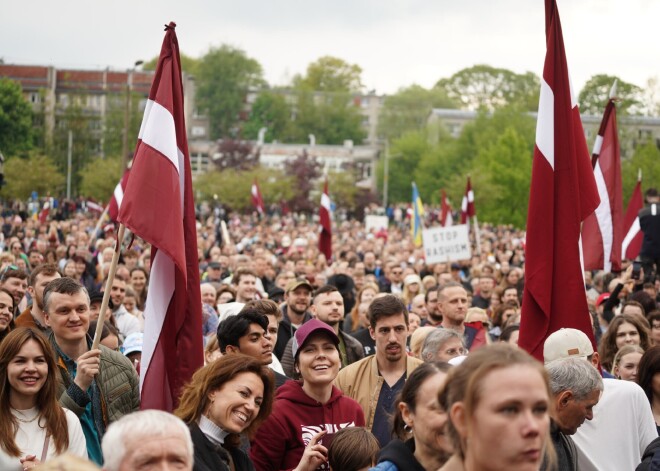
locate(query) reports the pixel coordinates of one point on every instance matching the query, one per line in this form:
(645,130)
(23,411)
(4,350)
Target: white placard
(375,222)
(446,244)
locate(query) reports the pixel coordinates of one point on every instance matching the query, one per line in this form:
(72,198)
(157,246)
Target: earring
(407,428)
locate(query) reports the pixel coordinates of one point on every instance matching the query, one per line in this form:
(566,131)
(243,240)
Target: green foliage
(647,158)
(409,109)
(483,86)
(85,129)
(188,64)
(99,178)
(15,119)
(596,92)
(269,110)
(113,132)
(330,74)
(232,187)
(342,189)
(34,173)
(224,77)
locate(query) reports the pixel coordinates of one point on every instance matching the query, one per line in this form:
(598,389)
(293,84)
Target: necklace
(25,421)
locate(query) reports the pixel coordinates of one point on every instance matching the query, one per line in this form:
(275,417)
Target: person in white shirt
(622,424)
(41,428)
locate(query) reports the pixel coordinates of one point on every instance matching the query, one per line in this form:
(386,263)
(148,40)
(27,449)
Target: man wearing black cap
(649,222)
(213,272)
(295,312)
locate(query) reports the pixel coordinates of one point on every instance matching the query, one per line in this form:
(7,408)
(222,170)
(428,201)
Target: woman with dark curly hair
(225,398)
(623,330)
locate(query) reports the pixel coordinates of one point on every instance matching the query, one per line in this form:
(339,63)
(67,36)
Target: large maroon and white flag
(118,196)
(467,204)
(158,206)
(446,218)
(563,193)
(632,240)
(257,199)
(602,232)
(325,235)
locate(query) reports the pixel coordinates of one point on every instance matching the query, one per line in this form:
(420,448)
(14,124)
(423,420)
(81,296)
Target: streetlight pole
(127,111)
(386,171)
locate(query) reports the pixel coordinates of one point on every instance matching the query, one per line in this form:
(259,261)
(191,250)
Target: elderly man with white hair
(149,437)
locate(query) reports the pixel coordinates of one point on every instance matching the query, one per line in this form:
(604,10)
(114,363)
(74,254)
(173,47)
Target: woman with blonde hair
(33,425)
(412,286)
(626,362)
(225,398)
(498,401)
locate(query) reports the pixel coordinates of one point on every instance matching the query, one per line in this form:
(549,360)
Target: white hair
(573,374)
(435,341)
(132,427)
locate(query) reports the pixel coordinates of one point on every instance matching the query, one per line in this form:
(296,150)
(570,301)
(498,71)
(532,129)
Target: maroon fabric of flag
(117,197)
(602,231)
(257,199)
(325,235)
(563,193)
(467,205)
(158,206)
(632,241)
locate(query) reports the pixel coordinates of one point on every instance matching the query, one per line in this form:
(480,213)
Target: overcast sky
(396,42)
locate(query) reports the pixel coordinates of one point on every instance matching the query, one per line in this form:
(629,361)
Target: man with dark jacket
(99,386)
(576,388)
(294,313)
(328,307)
(649,222)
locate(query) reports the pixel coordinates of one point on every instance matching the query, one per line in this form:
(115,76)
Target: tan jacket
(361,381)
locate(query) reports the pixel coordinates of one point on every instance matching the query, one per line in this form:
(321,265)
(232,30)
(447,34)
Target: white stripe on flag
(470,196)
(545,124)
(632,233)
(604,218)
(119,195)
(161,290)
(158,131)
(325,201)
(598,145)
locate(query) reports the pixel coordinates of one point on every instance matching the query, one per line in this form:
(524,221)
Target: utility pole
(68,166)
(127,111)
(386,170)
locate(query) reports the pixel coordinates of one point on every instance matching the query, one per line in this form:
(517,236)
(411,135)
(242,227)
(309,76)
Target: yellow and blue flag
(417,215)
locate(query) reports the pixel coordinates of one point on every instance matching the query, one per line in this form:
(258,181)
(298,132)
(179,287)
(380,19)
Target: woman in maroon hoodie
(306,413)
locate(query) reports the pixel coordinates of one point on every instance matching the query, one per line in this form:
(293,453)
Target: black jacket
(652,451)
(285,332)
(399,454)
(210,457)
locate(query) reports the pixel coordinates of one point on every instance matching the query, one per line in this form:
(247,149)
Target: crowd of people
(373,360)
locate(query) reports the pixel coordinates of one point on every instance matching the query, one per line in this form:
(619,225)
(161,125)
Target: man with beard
(294,313)
(376,380)
(433,317)
(33,316)
(453,305)
(328,307)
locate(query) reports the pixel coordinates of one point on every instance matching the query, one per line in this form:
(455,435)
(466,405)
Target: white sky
(396,42)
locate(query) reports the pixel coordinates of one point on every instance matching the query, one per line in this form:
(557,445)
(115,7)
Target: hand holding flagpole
(108,287)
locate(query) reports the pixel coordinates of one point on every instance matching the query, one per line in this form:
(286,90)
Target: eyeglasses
(456,351)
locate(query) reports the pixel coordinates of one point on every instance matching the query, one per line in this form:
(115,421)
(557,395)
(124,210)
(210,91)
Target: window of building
(35,97)
(198,131)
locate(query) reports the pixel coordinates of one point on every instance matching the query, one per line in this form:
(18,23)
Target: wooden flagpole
(108,287)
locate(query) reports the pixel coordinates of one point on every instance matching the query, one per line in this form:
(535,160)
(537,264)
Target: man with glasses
(442,345)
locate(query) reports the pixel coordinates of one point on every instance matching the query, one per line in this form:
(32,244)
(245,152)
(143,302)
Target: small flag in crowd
(45,210)
(562,194)
(416,225)
(602,232)
(118,196)
(446,218)
(257,200)
(93,206)
(158,206)
(325,236)
(467,205)
(632,240)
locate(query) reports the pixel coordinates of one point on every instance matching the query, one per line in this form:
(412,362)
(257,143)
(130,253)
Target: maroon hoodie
(296,418)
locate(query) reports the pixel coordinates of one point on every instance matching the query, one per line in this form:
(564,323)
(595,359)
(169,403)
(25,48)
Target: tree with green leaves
(232,187)
(34,173)
(330,74)
(188,64)
(113,129)
(15,119)
(304,170)
(271,111)
(596,93)
(409,109)
(99,178)
(485,87)
(647,158)
(224,77)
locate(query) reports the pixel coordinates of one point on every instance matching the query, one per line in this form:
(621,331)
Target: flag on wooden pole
(562,194)
(467,204)
(446,218)
(416,224)
(158,206)
(602,232)
(632,240)
(325,235)
(257,200)
(117,197)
